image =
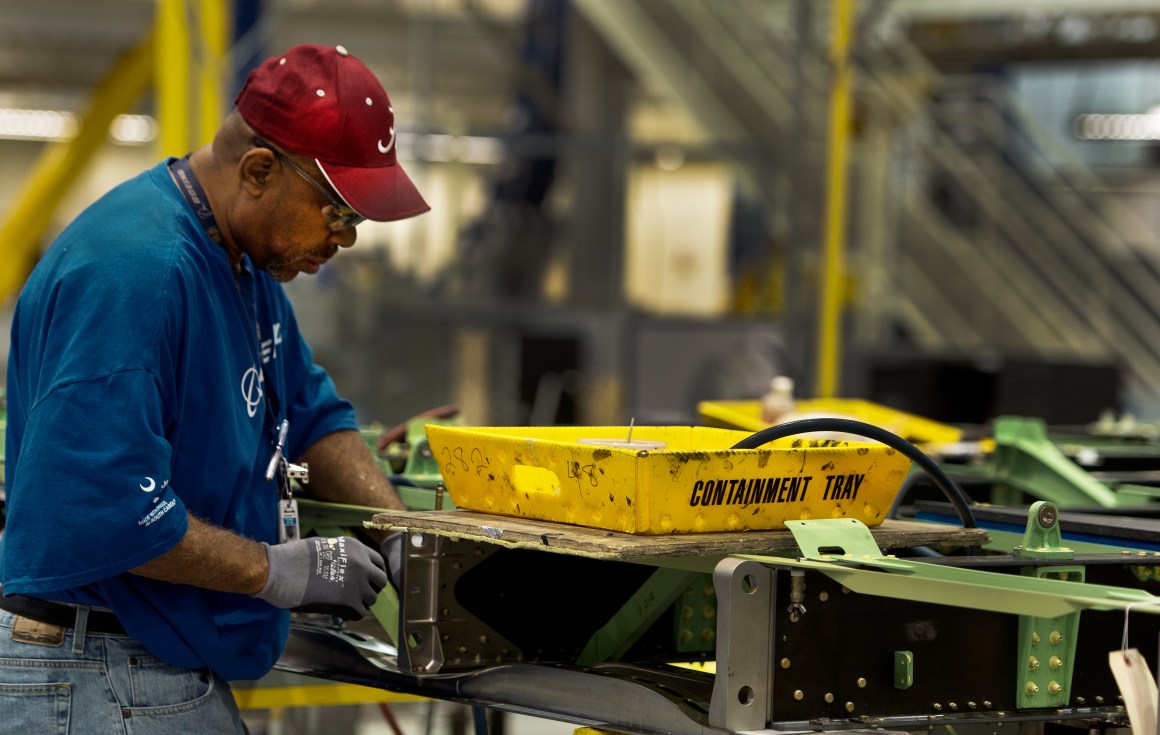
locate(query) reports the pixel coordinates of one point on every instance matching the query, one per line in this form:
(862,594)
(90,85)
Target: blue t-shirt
(139,390)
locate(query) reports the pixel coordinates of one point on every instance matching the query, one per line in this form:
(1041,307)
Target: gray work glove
(339,576)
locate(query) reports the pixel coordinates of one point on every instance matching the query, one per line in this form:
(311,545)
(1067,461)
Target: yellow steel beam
(172,64)
(833,290)
(315,695)
(59,164)
(211,72)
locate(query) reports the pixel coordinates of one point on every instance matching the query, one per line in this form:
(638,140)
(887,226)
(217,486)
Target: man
(157,383)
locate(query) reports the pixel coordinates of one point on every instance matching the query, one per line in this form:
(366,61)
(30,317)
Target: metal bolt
(1032,688)
(1034,637)
(828,697)
(1054,687)
(972,705)
(849,706)
(861,682)
(936,707)
(1056,637)
(823,596)
(1033,663)
(953,707)
(785,663)
(799,695)
(1099,700)
(986,704)
(1055,662)
(1080,701)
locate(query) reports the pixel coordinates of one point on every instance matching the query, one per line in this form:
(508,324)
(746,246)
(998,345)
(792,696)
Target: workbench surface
(603,544)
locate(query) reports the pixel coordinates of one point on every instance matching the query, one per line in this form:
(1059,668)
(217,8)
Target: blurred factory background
(947,206)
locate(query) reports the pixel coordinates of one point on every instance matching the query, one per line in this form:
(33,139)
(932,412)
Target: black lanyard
(191,189)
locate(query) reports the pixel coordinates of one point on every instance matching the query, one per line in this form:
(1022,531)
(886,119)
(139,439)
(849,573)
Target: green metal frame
(1050,641)
(1026,460)
(863,568)
(640,611)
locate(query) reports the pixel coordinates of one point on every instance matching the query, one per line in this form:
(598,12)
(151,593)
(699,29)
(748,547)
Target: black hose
(953,493)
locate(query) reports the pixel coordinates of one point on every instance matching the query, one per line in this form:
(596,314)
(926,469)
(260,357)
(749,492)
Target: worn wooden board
(602,544)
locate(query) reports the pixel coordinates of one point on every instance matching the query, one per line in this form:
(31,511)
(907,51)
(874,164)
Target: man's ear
(254,170)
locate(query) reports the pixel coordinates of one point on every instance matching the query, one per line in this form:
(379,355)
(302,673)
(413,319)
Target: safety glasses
(338,215)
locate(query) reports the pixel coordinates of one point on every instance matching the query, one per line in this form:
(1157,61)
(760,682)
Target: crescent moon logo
(152,485)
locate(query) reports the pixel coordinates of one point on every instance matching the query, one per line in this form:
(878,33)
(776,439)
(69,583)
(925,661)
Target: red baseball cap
(321,102)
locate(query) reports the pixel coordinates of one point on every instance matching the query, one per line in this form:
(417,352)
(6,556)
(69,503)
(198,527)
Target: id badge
(288,517)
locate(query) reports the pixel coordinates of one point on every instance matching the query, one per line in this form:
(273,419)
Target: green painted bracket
(422,467)
(386,611)
(1042,538)
(1025,458)
(695,617)
(903,669)
(844,550)
(1046,658)
(641,610)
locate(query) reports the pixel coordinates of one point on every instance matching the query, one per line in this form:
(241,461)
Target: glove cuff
(289,571)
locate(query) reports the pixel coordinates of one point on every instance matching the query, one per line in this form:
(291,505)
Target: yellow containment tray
(669,479)
(746,415)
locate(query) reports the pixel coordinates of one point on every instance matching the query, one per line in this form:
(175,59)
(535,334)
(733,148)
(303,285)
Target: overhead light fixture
(18,124)
(60,125)
(1140,126)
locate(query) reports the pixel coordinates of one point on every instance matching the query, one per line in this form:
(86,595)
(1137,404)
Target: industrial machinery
(822,624)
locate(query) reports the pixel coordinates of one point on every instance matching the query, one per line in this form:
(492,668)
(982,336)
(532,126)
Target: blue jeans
(102,684)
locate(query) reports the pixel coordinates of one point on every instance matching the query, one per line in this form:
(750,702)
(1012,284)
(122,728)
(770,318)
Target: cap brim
(384,193)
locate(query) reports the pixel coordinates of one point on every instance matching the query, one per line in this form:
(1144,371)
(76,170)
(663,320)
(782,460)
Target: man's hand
(339,576)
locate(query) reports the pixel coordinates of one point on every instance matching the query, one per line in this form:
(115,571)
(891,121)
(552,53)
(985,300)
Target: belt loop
(80,629)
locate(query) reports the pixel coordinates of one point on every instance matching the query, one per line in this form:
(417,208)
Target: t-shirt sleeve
(95,471)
